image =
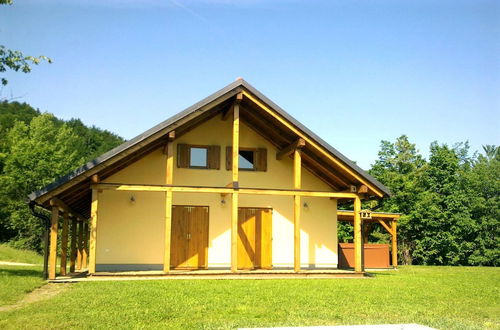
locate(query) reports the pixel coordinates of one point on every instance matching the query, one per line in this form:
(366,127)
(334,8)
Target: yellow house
(233,182)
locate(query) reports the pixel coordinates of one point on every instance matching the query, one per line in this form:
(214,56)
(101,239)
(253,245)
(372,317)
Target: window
(246,159)
(249,159)
(198,156)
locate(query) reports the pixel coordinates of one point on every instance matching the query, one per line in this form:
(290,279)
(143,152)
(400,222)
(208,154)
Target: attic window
(249,159)
(246,159)
(198,157)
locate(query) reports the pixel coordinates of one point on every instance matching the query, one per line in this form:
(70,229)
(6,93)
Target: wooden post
(72,255)
(168,202)
(53,243)
(234,231)
(85,251)
(235,177)
(64,244)
(366,232)
(394,244)
(79,256)
(93,227)
(297,164)
(358,240)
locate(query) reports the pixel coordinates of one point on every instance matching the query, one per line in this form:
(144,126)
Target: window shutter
(214,157)
(229,158)
(182,156)
(261,159)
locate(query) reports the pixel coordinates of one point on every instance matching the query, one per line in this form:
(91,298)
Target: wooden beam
(236,144)
(227,113)
(394,240)
(315,145)
(235,178)
(65,208)
(288,150)
(375,215)
(366,231)
(53,243)
(234,231)
(85,251)
(362,189)
(222,190)
(264,127)
(93,230)
(168,206)
(358,240)
(382,222)
(79,255)
(64,244)
(168,231)
(320,175)
(328,171)
(95,178)
(72,256)
(297,178)
(170,138)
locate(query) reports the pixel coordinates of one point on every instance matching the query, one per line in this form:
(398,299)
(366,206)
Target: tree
(39,152)
(14,59)
(483,182)
(399,167)
(442,227)
(35,149)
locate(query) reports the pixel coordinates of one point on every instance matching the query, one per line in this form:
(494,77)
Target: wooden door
(189,238)
(254,238)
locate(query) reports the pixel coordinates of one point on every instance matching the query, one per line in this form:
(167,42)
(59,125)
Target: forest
(450,202)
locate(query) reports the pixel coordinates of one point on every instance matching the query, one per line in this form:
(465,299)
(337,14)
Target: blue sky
(355,72)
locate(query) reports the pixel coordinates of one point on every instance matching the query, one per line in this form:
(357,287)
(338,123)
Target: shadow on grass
(20,272)
(374,274)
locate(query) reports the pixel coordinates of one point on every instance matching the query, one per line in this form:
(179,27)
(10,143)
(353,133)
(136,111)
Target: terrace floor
(211,274)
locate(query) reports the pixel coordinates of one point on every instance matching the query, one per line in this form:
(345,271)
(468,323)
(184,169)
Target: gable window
(246,159)
(249,159)
(198,156)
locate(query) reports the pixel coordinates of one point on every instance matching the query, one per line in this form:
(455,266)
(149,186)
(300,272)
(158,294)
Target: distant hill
(36,148)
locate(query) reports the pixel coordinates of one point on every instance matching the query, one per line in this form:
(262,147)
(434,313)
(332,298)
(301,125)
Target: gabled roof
(218,102)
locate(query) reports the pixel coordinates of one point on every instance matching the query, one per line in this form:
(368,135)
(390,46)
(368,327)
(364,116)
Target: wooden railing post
(394,244)
(297,164)
(72,256)
(85,251)
(235,184)
(53,242)
(93,231)
(79,256)
(64,244)
(168,202)
(358,239)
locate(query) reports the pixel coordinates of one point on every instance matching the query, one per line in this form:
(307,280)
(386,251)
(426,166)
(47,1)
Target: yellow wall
(132,233)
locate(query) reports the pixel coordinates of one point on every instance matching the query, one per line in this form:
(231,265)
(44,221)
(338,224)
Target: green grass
(440,297)
(16,281)
(8,253)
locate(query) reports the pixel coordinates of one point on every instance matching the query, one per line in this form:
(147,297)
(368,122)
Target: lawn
(16,281)
(441,297)
(8,253)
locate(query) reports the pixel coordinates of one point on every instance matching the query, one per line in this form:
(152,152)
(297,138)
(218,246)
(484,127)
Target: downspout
(46,228)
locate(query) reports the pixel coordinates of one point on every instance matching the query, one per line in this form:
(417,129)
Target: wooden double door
(189,237)
(255,238)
